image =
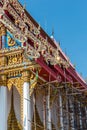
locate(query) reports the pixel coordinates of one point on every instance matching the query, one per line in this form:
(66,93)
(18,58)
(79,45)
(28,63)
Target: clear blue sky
(69,20)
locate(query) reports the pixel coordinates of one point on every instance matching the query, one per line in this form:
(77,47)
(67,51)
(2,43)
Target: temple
(39,87)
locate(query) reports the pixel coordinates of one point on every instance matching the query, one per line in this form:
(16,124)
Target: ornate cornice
(3,80)
(13,64)
(23,29)
(2,29)
(26,76)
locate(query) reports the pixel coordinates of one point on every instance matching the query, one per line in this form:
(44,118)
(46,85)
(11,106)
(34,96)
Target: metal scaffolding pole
(86,114)
(83,117)
(49,124)
(61,111)
(71,107)
(44,111)
(80,115)
(49,127)
(67,112)
(34,102)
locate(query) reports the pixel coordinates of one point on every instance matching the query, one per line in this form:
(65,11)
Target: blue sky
(69,20)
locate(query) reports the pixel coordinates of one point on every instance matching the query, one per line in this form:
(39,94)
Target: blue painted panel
(3,42)
(11,42)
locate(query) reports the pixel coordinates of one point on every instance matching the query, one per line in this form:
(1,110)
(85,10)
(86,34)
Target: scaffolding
(58,97)
(64,107)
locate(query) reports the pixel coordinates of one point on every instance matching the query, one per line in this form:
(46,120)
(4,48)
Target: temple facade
(39,87)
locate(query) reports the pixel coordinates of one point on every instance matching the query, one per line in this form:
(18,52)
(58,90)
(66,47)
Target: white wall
(3,108)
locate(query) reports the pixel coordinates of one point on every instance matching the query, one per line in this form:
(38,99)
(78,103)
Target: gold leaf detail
(11,42)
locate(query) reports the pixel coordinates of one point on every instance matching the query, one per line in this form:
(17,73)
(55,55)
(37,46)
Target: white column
(44,111)
(71,105)
(67,111)
(86,115)
(49,126)
(80,115)
(26,107)
(61,111)
(3,108)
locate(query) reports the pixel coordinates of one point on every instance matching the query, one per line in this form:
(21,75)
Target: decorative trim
(2,29)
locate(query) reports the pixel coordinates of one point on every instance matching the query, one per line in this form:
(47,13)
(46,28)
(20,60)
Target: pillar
(26,102)
(0,42)
(3,42)
(80,116)
(67,110)
(61,111)
(44,111)
(71,107)
(86,114)
(83,116)
(2,36)
(49,125)
(3,108)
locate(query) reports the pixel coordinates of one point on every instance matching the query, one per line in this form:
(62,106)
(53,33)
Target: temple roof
(45,50)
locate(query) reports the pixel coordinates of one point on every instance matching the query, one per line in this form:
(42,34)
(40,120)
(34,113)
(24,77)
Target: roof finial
(53,31)
(45,24)
(24,6)
(52,35)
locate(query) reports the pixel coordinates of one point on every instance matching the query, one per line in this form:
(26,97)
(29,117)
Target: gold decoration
(37,30)
(11,42)
(13,124)
(0,63)
(17,82)
(33,83)
(3,80)
(2,29)
(3,60)
(15,59)
(33,33)
(33,86)
(26,76)
(10,61)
